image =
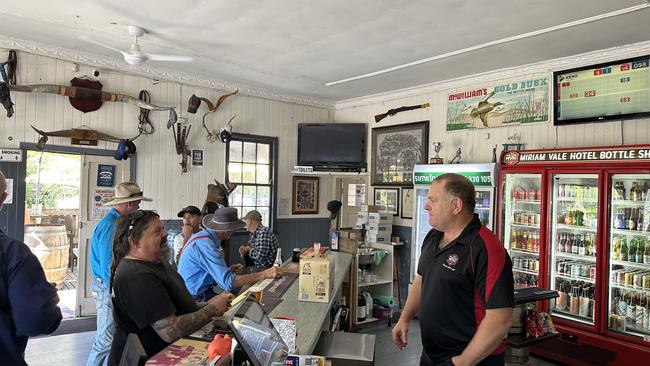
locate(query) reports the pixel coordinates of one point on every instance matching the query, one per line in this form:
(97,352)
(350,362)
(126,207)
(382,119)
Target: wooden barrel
(51,246)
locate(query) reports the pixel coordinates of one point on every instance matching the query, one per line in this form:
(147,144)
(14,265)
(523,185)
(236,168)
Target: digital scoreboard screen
(613,91)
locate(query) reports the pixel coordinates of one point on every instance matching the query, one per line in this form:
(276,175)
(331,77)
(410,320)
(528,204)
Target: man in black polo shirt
(463,290)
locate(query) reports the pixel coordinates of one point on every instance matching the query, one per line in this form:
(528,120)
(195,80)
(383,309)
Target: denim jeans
(105,325)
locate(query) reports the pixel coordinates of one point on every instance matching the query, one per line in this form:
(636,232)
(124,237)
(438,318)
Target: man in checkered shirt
(262,246)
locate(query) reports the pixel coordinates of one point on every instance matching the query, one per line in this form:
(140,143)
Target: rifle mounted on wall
(394,111)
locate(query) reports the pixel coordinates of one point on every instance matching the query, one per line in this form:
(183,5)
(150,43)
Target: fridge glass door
(421,227)
(629,255)
(521,222)
(572,259)
(483,208)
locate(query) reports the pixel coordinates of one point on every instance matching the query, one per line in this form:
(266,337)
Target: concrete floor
(73,349)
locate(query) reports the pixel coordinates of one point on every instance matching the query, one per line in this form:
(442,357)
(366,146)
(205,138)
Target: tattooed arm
(174,327)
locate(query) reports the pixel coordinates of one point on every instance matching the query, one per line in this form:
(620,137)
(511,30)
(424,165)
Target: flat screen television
(609,91)
(332,146)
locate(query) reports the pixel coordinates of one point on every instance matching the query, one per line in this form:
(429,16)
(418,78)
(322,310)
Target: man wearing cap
(127,200)
(262,245)
(201,265)
(191,225)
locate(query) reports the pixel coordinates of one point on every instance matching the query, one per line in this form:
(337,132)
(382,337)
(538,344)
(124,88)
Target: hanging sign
(105,175)
(11,155)
(512,102)
(583,155)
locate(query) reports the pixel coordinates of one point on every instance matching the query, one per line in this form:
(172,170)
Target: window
(252,166)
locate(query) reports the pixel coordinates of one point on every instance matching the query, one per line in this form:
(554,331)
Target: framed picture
(407,203)
(387,199)
(395,150)
(305,195)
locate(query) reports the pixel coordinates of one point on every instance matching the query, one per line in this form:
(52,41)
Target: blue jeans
(105,325)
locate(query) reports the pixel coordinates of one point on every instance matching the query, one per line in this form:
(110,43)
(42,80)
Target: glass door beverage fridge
(521,224)
(482,175)
(593,246)
(629,256)
(572,249)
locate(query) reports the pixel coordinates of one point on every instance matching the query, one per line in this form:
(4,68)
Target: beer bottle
(624,249)
(581,246)
(631,255)
(640,250)
(575,244)
(633,192)
(646,254)
(617,248)
(562,243)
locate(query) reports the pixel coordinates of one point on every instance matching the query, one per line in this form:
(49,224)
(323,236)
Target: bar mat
(269,303)
(278,287)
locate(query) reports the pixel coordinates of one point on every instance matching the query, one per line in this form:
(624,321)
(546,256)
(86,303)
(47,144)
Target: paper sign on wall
(100,197)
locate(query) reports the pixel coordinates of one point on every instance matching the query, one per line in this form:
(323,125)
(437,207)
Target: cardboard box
(380,218)
(353,234)
(377,238)
(362,217)
(379,228)
(369,208)
(316,278)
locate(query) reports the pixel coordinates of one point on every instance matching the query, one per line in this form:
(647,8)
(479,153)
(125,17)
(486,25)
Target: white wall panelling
(158,171)
(476,145)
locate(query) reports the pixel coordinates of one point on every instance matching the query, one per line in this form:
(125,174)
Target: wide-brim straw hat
(223,219)
(127,192)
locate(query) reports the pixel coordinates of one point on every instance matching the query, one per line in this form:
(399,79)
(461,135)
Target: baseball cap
(192,210)
(253,215)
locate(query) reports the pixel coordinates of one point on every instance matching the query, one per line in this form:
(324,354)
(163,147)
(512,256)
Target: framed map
(396,150)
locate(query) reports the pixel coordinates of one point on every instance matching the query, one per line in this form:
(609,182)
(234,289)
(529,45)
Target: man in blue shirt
(202,266)
(27,301)
(127,199)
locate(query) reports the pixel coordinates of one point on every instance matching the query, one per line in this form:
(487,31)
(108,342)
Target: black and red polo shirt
(459,282)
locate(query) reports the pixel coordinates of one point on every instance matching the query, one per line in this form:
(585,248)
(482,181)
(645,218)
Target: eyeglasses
(135,216)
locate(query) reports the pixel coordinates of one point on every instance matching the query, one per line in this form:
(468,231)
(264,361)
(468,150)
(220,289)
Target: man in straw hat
(128,196)
(203,268)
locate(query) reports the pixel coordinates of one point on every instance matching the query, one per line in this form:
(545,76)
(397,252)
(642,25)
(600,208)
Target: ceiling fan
(134,56)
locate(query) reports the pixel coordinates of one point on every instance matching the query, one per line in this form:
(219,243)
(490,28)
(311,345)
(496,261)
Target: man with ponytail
(127,199)
(149,297)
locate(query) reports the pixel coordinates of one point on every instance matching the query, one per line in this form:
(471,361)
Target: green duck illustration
(484,107)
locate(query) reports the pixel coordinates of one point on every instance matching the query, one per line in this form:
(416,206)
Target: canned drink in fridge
(629,279)
(646,281)
(592,272)
(614,277)
(621,278)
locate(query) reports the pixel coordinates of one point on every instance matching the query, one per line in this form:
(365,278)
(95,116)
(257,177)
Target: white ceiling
(295,47)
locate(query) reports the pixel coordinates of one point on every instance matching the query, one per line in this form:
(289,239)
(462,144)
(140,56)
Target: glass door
(572,259)
(629,255)
(483,208)
(521,224)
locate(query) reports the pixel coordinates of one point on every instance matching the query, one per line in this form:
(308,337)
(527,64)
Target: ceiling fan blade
(88,39)
(176,58)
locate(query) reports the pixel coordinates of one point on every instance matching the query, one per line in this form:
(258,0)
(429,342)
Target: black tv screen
(333,145)
(615,90)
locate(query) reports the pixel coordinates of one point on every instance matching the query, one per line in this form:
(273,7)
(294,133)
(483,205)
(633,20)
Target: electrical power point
(486,136)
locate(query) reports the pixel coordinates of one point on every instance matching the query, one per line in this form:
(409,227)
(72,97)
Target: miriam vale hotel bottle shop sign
(594,155)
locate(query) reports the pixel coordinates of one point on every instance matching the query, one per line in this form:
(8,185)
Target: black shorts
(491,360)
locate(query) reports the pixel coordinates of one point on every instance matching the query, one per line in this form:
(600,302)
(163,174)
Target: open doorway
(52,211)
